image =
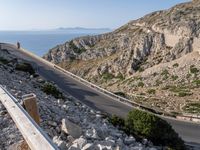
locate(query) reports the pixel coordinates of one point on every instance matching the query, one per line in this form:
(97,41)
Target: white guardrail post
(35,137)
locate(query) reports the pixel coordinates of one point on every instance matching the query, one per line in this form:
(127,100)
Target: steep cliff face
(159,38)
(156,38)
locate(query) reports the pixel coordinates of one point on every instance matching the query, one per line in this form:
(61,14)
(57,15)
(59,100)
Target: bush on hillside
(75,48)
(145,125)
(3,60)
(50,89)
(140,84)
(153,128)
(117,122)
(151,91)
(107,76)
(25,67)
(122,94)
(193,69)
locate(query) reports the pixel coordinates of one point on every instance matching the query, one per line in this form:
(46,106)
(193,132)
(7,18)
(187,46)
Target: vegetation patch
(174,77)
(118,122)
(197,83)
(193,108)
(158,82)
(141,69)
(145,125)
(175,65)
(181,90)
(151,91)
(188,75)
(3,60)
(25,67)
(183,94)
(165,74)
(75,48)
(120,76)
(50,89)
(107,76)
(122,94)
(193,69)
(140,84)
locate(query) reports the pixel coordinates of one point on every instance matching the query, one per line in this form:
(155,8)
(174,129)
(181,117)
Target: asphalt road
(190,132)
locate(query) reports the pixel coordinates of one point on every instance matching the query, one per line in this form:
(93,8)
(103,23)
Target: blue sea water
(38,42)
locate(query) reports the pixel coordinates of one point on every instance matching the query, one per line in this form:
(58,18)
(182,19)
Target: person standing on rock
(18,45)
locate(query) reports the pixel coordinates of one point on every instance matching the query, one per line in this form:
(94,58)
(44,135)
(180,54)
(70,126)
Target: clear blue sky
(47,14)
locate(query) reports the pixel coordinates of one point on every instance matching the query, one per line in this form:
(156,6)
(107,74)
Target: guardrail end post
(30,105)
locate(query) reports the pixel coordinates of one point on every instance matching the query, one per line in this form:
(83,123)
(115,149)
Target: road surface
(189,132)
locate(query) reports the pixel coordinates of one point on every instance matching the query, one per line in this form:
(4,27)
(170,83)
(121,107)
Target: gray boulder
(70,128)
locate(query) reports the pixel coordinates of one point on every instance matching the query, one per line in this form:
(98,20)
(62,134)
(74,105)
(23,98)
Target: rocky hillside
(156,56)
(69,123)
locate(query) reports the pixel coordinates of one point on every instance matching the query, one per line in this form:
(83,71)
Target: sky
(51,14)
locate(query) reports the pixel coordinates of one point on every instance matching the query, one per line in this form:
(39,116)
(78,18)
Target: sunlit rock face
(156,38)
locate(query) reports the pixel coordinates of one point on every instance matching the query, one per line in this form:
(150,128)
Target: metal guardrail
(35,137)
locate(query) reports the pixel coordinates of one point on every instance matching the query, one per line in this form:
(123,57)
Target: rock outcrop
(156,38)
(121,60)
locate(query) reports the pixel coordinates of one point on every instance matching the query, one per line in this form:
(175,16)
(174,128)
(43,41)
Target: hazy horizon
(55,29)
(23,15)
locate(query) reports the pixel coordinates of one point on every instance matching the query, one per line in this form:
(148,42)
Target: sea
(39,42)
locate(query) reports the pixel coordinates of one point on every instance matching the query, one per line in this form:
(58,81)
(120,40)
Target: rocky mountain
(154,60)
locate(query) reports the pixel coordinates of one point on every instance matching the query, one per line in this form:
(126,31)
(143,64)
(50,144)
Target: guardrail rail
(35,137)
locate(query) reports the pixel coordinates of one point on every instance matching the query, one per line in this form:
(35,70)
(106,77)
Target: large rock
(70,128)
(80,142)
(61,144)
(92,134)
(88,146)
(129,140)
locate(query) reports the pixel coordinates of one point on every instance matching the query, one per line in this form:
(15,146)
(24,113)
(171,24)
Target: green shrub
(174,77)
(197,82)
(117,121)
(177,89)
(165,72)
(193,69)
(75,48)
(120,76)
(141,69)
(154,129)
(151,91)
(25,67)
(140,84)
(50,89)
(175,65)
(3,60)
(107,76)
(192,108)
(183,94)
(120,94)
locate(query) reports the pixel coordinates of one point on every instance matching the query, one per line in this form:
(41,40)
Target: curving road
(190,132)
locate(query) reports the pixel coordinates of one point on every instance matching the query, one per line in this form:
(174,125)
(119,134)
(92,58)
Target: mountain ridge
(155,52)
